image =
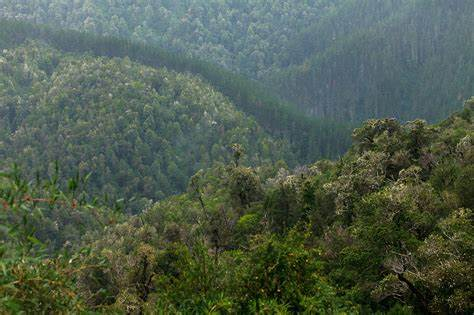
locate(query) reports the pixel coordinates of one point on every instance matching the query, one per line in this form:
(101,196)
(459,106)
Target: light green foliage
(285,272)
(49,214)
(33,285)
(392,224)
(447,265)
(37,220)
(244,186)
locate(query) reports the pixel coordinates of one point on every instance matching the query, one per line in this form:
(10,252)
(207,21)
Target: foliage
(414,57)
(132,127)
(388,228)
(309,138)
(247,36)
(446,263)
(40,226)
(36,286)
(373,232)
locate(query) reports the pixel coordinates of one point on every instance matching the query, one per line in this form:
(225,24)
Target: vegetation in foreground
(388,228)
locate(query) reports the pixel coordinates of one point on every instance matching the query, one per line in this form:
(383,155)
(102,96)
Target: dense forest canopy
(387,229)
(309,138)
(397,58)
(133,127)
(248,36)
(347,60)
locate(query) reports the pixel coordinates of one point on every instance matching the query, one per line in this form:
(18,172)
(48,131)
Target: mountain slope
(245,36)
(142,132)
(366,234)
(309,138)
(413,57)
(398,58)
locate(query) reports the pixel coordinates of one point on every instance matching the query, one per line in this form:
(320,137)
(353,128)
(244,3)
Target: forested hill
(345,60)
(142,172)
(246,36)
(309,138)
(396,58)
(141,132)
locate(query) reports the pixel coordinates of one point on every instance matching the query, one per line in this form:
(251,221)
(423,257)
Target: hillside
(398,58)
(244,36)
(344,60)
(141,132)
(386,229)
(309,138)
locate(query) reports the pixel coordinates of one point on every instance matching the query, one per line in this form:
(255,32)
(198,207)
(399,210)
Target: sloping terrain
(401,58)
(246,36)
(142,132)
(344,60)
(309,138)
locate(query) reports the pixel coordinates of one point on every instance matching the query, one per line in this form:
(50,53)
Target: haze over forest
(236,157)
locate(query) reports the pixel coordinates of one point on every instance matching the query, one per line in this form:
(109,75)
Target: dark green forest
(248,36)
(236,157)
(345,60)
(310,138)
(396,58)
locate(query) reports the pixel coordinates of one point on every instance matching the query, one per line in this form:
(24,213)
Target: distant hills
(310,138)
(401,58)
(141,129)
(345,60)
(247,36)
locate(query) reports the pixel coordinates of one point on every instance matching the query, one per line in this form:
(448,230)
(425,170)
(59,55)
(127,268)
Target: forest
(236,157)
(408,54)
(129,125)
(311,137)
(387,228)
(314,54)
